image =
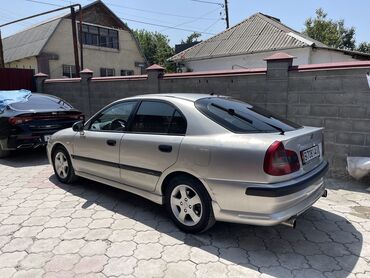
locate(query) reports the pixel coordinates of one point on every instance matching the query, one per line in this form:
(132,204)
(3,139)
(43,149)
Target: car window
(159,118)
(42,102)
(114,118)
(241,117)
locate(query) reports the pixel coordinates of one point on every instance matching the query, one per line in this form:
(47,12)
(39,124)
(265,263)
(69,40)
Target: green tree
(330,32)
(364,47)
(193,37)
(156,48)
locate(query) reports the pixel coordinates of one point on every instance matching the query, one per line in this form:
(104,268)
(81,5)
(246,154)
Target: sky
(179,18)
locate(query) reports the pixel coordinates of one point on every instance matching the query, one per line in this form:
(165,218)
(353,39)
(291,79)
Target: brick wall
(335,96)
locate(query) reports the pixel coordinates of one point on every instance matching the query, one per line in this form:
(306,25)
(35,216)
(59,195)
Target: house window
(106,72)
(99,36)
(127,72)
(69,71)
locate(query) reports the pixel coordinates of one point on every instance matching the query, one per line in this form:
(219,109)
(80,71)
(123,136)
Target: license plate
(47,138)
(310,154)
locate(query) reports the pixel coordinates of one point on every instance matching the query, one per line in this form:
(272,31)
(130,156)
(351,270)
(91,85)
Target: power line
(209,2)
(156,12)
(191,21)
(45,3)
(165,26)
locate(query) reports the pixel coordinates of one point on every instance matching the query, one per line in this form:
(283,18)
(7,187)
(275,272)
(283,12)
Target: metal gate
(16,79)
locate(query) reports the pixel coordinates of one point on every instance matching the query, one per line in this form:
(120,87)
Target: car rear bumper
(25,141)
(267,204)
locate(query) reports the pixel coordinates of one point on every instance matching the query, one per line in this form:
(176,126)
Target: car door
(152,143)
(96,149)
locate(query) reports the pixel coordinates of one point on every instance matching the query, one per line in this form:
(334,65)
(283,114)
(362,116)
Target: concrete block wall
(333,96)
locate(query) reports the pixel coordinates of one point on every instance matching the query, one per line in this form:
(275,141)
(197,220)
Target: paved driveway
(90,230)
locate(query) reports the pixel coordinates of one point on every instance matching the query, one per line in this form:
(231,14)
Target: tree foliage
(330,32)
(156,48)
(193,37)
(364,47)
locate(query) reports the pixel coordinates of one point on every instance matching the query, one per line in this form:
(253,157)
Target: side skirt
(145,194)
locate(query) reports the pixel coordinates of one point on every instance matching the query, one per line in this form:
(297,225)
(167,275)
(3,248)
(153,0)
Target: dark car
(29,123)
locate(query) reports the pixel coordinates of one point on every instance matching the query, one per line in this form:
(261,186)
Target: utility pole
(2,64)
(227,15)
(74,35)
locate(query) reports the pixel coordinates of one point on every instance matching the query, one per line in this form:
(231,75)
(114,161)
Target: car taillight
(19,120)
(279,161)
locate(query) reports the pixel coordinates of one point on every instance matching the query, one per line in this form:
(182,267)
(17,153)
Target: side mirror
(78,126)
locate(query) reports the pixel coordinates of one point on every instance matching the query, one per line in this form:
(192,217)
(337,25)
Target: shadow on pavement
(26,158)
(323,242)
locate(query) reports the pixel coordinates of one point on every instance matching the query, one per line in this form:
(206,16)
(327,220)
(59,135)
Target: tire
(189,204)
(62,165)
(3,153)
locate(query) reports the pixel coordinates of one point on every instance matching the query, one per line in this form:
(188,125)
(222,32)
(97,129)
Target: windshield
(241,117)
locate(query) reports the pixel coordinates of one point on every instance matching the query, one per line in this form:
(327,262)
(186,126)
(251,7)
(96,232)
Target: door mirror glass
(78,126)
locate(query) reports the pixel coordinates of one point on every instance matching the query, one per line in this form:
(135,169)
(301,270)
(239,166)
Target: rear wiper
(232,113)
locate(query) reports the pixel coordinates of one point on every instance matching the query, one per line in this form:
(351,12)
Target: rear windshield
(42,102)
(241,117)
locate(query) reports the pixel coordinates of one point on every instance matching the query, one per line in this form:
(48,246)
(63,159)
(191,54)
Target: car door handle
(165,148)
(111,142)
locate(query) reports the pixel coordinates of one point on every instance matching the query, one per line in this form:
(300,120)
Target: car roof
(184,96)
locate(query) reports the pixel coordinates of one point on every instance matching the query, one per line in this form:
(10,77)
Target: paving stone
(211,270)
(44,245)
(150,268)
(204,254)
(75,233)
(147,237)
(7,272)
(17,244)
(78,223)
(15,219)
(28,231)
(92,248)
(181,269)
(262,258)
(91,264)
(120,266)
(308,273)
(275,271)
(233,255)
(176,253)
(119,249)
(96,234)
(62,262)
(292,261)
(238,271)
(122,235)
(148,251)
(8,229)
(34,273)
(11,259)
(35,260)
(51,232)
(101,223)
(69,246)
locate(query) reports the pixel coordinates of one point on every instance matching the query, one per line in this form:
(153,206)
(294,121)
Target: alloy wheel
(61,165)
(186,205)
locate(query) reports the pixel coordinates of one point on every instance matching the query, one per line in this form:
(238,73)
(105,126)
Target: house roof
(258,33)
(29,42)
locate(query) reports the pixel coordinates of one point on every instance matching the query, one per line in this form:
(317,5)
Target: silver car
(204,157)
